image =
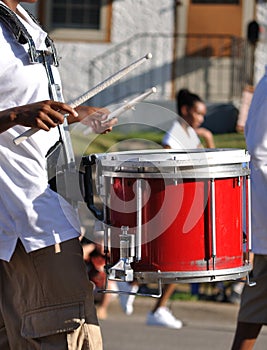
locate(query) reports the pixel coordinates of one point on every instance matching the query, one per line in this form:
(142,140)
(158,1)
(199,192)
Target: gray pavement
(208,325)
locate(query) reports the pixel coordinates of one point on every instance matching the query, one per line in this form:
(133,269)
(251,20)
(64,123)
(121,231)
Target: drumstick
(125,107)
(129,105)
(90,93)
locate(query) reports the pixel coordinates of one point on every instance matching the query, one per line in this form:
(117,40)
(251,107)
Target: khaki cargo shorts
(46,301)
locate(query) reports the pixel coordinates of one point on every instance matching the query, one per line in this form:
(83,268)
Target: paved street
(208,325)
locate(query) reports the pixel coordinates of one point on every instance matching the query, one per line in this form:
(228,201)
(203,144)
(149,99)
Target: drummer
(46,296)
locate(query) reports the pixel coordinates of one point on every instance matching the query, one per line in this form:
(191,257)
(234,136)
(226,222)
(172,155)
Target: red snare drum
(183,213)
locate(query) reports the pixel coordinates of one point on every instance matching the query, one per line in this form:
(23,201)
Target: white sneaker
(127,300)
(163,317)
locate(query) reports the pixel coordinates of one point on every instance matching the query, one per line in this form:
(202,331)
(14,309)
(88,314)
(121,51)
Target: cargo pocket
(52,320)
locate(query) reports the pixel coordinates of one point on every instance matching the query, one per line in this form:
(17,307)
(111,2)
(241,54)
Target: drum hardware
(23,37)
(153,295)
(138,254)
(213,222)
(91,93)
(248,227)
(122,270)
(250,283)
(248,212)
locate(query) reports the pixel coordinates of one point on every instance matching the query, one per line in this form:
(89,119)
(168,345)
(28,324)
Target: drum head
(197,163)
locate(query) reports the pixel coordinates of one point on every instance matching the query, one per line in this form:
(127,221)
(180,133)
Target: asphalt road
(207,325)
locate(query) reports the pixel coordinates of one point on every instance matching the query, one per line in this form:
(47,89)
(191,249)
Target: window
(86,20)
(222,2)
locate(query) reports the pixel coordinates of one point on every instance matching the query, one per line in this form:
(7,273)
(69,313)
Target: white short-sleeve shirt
(256,139)
(29,209)
(179,138)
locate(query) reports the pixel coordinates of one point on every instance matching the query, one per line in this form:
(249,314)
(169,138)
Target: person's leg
(246,335)
(166,294)
(127,299)
(252,312)
(161,315)
(105,300)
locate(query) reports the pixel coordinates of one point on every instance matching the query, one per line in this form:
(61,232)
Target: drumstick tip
(149,56)
(154,89)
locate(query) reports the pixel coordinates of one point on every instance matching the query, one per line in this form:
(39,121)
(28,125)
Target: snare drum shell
(182,239)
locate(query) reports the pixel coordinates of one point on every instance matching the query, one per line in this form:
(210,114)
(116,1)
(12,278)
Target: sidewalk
(208,326)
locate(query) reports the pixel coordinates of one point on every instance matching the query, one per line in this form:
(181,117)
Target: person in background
(186,129)
(253,307)
(46,297)
(206,136)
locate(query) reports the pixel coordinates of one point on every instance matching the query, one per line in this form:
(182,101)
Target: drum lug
(122,270)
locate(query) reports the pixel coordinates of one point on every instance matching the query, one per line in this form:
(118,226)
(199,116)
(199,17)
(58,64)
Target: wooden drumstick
(125,107)
(129,105)
(91,93)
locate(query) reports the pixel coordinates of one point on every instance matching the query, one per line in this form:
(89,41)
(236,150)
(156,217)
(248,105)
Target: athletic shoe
(127,300)
(163,317)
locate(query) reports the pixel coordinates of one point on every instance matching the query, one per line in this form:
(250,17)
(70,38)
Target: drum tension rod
(213,221)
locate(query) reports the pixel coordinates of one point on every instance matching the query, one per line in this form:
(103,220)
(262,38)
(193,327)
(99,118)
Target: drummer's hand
(95,119)
(43,115)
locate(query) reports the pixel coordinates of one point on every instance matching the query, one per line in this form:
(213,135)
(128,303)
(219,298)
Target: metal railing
(217,67)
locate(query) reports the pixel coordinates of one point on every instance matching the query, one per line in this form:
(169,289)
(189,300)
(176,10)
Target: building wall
(261,48)
(129,19)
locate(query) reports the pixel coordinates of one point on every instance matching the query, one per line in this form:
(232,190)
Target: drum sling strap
(60,157)
(9,18)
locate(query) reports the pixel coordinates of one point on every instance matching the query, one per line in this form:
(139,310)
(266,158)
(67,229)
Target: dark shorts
(253,307)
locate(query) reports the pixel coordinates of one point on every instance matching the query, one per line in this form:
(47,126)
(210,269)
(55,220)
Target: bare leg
(166,294)
(102,310)
(246,335)
(160,314)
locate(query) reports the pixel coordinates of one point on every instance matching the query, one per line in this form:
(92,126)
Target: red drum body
(178,216)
